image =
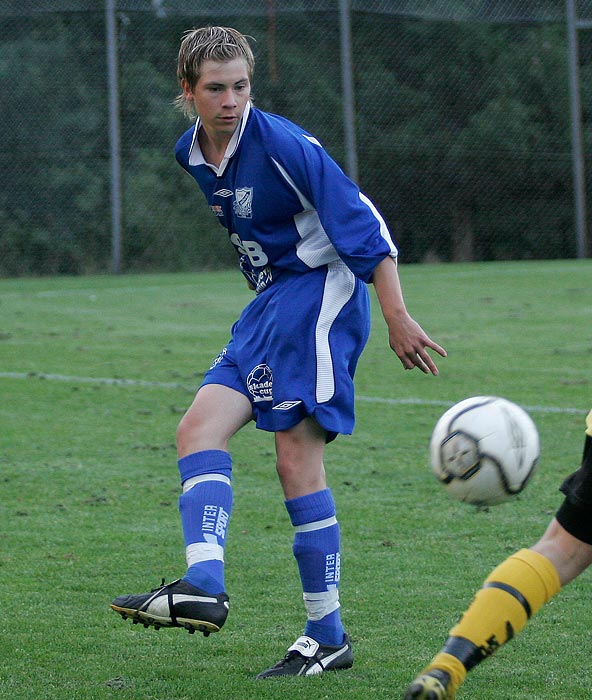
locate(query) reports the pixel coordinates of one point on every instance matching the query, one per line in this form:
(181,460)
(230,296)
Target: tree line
(462,129)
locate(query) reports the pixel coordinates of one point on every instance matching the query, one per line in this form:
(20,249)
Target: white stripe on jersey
(339,288)
(314,248)
(384,232)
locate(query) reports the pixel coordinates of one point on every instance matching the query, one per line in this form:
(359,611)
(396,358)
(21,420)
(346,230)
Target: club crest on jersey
(260,383)
(243,203)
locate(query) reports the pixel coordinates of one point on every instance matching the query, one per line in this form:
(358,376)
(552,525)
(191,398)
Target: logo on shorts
(219,359)
(260,382)
(243,204)
(286,405)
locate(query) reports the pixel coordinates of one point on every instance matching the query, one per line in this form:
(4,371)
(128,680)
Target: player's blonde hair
(209,44)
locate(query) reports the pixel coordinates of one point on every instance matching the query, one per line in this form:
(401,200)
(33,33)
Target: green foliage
(462,130)
(96,373)
(53,153)
(478,136)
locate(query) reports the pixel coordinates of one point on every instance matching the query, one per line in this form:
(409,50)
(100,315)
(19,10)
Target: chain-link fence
(463,124)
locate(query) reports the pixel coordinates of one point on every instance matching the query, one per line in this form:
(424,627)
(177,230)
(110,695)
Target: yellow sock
(454,668)
(511,594)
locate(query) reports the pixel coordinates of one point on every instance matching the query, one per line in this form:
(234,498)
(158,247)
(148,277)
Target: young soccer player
(517,588)
(308,242)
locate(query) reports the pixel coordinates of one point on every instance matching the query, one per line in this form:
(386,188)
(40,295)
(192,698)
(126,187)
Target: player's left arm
(350,220)
(406,337)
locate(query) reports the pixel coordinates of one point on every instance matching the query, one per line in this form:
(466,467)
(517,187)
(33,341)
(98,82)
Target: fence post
(349,112)
(114,134)
(578,167)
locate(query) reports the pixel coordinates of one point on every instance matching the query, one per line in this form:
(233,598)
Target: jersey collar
(196,156)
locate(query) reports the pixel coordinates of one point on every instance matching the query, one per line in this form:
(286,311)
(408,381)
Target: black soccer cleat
(431,685)
(308,658)
(176,604)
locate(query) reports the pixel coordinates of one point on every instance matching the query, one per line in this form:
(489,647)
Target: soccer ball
(484,450)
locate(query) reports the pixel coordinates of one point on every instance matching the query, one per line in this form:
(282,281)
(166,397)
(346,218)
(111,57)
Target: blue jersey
(285,202)
(308,241)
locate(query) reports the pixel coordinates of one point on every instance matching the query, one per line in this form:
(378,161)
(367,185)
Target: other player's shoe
(308,658)
(176,604)
(431,685)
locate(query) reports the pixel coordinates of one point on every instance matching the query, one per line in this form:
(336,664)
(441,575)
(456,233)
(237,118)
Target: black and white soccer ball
(484,450)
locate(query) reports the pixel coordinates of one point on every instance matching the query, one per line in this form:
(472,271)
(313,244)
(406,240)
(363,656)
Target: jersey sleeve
(350,220)
(182,148)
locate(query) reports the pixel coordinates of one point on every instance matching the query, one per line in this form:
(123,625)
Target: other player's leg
(516,589)
(511,594)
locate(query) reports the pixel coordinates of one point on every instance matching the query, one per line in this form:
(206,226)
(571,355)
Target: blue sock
(317,551)
(205,506)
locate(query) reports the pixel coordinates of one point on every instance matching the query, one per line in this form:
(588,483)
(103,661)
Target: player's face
(220,95)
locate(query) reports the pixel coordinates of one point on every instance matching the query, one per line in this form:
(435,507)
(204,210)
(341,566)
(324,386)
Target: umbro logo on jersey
(286,405)
(223,193)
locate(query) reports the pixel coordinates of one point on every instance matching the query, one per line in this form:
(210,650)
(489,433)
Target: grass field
(94,374)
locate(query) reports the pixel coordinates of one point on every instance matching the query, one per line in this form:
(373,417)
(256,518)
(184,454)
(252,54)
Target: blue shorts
(294,350)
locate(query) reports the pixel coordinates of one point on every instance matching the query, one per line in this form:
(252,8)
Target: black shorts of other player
(575,514)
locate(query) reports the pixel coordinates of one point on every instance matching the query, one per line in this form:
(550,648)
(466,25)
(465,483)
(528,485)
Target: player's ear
(187,89)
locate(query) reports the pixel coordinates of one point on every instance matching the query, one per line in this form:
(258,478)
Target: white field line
(92,380)
(113,381)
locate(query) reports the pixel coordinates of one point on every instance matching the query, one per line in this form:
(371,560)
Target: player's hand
(410,343)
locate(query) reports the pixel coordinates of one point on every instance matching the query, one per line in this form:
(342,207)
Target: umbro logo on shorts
(286,405)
